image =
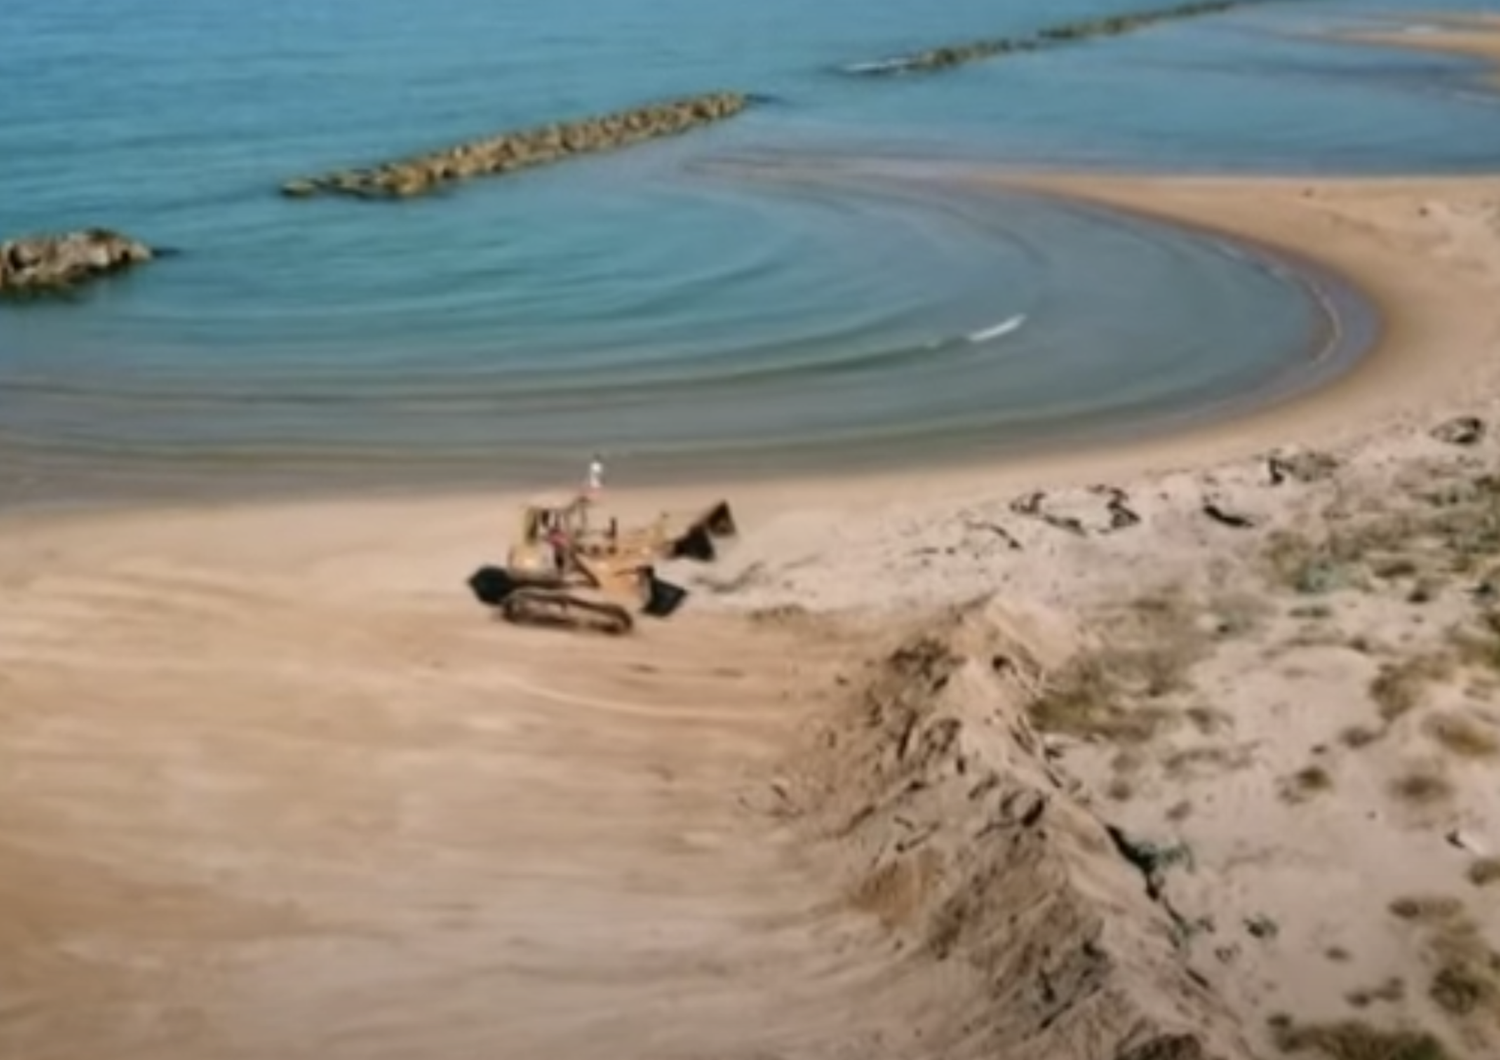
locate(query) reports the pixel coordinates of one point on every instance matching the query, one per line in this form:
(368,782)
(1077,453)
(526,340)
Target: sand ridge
(1012,907)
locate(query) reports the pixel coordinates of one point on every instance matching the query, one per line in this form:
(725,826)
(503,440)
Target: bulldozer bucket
(662,597)
(697,541)
(719,521)
(695,544)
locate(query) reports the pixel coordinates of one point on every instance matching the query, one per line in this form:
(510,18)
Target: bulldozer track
(550,607)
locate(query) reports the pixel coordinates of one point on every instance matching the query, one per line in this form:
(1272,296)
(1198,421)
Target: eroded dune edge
(960,834)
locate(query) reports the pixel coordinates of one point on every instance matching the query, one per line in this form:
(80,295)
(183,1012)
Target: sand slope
(1016,915)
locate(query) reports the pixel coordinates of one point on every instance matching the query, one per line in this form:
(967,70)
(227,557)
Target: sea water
(784,292)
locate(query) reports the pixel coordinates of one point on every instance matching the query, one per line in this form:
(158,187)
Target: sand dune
(1029,927)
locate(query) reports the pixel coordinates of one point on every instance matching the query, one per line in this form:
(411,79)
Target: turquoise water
(778,292)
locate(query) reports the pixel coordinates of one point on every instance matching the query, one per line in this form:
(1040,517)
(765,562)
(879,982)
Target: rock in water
(522,149)
(953,55)
(50,263)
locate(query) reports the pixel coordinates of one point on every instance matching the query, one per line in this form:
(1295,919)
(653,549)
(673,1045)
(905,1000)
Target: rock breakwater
(949,56)
(523,149)
(54,263)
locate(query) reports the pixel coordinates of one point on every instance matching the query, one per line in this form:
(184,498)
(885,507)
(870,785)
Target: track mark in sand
(628,668)
(298,753)
(135,615)
(114,599)
(607,704)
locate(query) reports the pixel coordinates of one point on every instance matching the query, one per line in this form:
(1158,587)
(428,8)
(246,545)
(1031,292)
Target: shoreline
(1413,317)
(1285,215)
(1466,36)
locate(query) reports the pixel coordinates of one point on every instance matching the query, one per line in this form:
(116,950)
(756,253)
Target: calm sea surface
(782,292)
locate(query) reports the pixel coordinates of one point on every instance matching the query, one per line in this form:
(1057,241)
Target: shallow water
(724,301)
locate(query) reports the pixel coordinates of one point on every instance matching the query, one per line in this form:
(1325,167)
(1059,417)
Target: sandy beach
(1187,749)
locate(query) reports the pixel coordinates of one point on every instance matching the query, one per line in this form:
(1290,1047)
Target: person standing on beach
(595,481)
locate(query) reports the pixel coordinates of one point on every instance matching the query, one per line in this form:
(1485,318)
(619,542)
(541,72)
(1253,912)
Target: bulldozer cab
(665,537)
(540,518)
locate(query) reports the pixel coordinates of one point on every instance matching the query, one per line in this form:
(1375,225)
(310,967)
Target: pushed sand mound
(1016,912)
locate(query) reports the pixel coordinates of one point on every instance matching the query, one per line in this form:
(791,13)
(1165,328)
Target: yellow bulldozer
(594,535)
(571,568)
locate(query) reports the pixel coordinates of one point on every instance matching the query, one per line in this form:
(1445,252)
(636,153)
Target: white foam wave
(1005,327)
(878,65)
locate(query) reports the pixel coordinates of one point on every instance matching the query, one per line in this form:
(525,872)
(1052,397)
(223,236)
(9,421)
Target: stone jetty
(523,149)
(53,263)
(1068,33)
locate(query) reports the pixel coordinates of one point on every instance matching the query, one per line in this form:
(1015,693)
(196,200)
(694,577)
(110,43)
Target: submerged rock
(58,262)
(523,149)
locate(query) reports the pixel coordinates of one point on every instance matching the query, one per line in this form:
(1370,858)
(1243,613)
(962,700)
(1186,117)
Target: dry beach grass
(270,786)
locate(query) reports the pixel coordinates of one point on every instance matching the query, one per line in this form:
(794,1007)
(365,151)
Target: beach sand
(975,763)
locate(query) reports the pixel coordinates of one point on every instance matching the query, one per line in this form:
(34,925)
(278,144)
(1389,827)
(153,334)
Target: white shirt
(596,475)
